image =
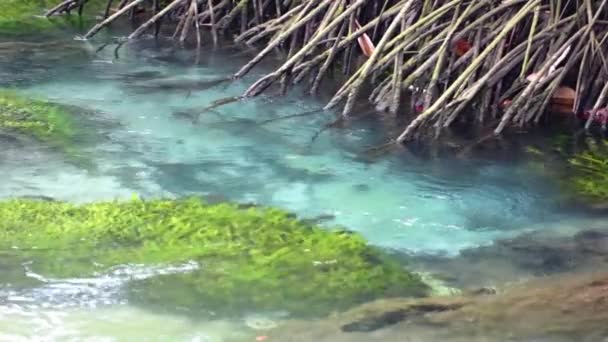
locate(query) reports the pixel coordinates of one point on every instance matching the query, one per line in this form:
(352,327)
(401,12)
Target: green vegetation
(256,258)
(589,172)
(578,165)
(22,17)
(46,122)
(13,11)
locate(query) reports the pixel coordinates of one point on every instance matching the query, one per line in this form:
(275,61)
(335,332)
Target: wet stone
(568,307)
(594,242)
(529,255)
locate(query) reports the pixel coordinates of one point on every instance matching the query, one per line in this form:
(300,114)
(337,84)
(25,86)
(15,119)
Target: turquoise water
(148,148)
(149,139)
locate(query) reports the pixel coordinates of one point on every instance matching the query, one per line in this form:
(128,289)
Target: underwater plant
(577,166)
(248,258)
(44,121)
(19,16)
(589,172)
(22,17)
(54,125)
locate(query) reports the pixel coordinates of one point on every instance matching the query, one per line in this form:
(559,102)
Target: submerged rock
(7,138)
(44,121)
(38,198)
(128,77)
(592,242)
(571,307)
(23,119)
(254,259)
(165,84)
(525,256)
(320,219)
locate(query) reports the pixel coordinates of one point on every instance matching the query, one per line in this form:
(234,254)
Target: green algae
(23,17)
(49,123)
(255,258)
(589,172)
(54,125)
(578,165)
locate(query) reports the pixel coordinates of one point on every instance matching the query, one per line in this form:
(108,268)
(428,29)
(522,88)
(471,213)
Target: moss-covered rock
(49,123)
(42,120)
(251,258)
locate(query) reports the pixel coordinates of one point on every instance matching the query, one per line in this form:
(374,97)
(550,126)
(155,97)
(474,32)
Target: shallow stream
(148,136)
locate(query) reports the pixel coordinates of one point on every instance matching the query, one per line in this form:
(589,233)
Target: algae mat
(248,258)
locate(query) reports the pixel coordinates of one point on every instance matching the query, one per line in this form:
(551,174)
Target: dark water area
(148,135)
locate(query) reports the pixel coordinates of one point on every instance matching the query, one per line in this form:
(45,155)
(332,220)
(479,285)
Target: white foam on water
(111,323)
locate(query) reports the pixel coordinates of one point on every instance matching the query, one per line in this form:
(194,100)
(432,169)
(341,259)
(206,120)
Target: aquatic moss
(23,16)
(577,165)
(255,258)
(52,124)
(19,17)
(45,121)
(588,174)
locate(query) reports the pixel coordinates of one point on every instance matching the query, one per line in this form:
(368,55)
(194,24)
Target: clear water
(147,148)
(145,144)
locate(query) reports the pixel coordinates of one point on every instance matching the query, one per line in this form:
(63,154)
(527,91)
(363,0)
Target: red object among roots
(599,115)
(461,47)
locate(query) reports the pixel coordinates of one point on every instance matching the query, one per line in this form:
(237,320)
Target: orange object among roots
(365,43)
(562,100)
